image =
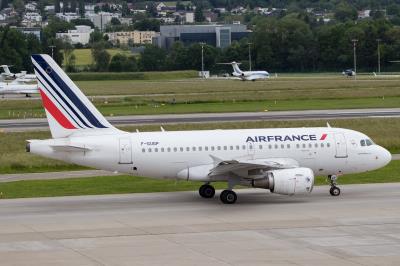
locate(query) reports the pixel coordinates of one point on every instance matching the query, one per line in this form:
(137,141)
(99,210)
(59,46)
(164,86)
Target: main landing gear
(227,196)
(207,191)
(335,191)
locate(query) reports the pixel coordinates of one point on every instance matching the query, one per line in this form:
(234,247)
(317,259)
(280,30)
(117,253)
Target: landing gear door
(125,151)
(341,146)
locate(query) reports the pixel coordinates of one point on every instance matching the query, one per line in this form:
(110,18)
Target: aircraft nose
(384,156)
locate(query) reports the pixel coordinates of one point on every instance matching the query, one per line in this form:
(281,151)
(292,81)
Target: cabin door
(125,151)
(341,146)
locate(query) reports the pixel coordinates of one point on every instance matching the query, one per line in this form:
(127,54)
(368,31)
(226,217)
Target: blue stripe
(68,92)
(53,89)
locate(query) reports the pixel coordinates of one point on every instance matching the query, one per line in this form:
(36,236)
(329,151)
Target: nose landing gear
(334,191)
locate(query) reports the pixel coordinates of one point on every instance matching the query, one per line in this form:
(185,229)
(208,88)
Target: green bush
(90,76)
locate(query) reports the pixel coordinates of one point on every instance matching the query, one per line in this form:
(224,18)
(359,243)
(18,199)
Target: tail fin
(236,68)
(68,110)
(6,69)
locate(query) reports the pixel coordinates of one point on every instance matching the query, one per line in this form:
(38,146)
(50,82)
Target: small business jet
(283,160)
(18,87)
(248,75)
(22,76)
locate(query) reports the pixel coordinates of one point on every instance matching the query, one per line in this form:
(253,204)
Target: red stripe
(49,105)
(323,137)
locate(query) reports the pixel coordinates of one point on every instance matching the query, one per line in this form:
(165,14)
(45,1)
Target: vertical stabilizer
(68,110)
(236,68)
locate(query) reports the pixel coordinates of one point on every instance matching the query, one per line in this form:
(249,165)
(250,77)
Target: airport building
(80,35)
(215,35)
(135,37)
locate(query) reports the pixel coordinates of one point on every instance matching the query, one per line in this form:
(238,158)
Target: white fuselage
(327,151)
(13,88)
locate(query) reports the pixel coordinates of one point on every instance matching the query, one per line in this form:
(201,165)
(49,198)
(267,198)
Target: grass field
(130,184)
(14,159)
(127,97)
(84,56)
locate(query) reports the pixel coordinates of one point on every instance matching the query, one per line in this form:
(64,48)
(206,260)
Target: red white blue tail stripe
(63,99)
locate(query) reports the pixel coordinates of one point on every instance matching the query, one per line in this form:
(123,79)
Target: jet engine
(287,181)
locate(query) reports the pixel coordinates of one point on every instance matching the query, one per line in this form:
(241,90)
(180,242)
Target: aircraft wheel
(207,191)
(335,191)
(228,197)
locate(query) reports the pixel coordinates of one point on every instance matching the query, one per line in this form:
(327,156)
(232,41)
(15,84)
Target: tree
(81,7)
(57,6)
(100,57)
(115,21)
(68,52)
(152,58)
(95,36)
(198,14)
(147,24)
(123,63)
(344,12)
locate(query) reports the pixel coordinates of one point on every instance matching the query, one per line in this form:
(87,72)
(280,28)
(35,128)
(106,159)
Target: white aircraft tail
(236,68)
(6,69)
(68,110)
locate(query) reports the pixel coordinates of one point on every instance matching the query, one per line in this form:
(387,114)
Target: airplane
(283,160)
(248,75)
(18,87)
(22,76)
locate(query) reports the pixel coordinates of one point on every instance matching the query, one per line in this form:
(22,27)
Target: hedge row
(88,76)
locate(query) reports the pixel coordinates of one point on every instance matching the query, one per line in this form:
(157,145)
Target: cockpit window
(366,142)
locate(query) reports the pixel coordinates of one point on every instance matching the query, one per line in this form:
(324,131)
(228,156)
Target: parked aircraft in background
(247,75)
(22,76)
(283,160)
(16,87)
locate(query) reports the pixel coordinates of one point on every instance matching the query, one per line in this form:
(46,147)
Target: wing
(243,167)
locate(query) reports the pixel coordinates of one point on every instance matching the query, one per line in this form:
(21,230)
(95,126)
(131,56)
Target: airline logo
(276,138)
(60,99)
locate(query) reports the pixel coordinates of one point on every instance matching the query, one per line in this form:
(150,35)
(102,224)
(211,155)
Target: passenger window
(143,150)
(219,148)
(193,148)
(200,148)
(270,146)
(304,145)
(243,147)
(298,146)
(212,148)
(187,149)
(181,149)
(149,150)
(237,147)
(260,147)
(169,149)
(316,145)
(322,145)
(288,146)
(155,150)
(282,146)
(162,149)
(225,148)
(276,146)
(206,148)
(175,149)
(231,148)
(328,145)
(309,145)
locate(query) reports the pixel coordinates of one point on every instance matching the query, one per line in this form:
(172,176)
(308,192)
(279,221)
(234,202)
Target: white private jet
(283,160)
(248,75)
(17,87)
(22,76)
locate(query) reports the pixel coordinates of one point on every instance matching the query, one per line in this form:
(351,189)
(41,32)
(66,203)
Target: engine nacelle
(287,181)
